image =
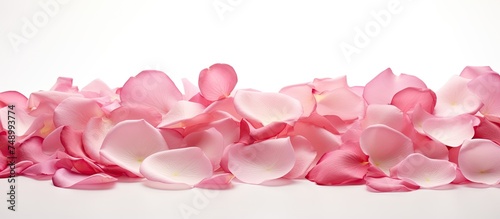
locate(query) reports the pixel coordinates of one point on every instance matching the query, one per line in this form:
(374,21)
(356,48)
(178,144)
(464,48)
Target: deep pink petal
(304,157)
(72,142)
(385,146)
(407,99)
(455,98)
(479,161)
(263,161)
(151,88)
(382,88)
(387,184)
(339,167)
(67,179)
(13,98)
(217,81)
(45,168)
(184,165)
(52,142)
(76,112)
(18,168)
(341,102)
(429,148)
(130,142)
(424,171)
(451,131)
(31,150)
(266,108)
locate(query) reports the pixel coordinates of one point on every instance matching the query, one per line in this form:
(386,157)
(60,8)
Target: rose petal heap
(394,134)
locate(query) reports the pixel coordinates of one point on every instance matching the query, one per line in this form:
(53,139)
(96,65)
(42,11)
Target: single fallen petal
(67,179)
(217,81)
(386,184)
(130,142)
(263,161)
(424,171)
(266,108)
(451,131)
(479,161)
(184,165)
(385,146)
(217,181)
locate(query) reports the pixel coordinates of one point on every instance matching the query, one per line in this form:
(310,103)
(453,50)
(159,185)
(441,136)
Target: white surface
(271,44)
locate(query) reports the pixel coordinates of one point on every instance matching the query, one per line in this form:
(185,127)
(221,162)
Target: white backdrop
(270,44)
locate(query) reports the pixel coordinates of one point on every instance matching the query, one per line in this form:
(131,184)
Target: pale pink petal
(217,81)
(210,141)
(424,171)
(341,102)
(382,88)
(385,146)
(45,101)
(387,184)
(455,98)
(183,110)
(269,131)
(407,99)
(429,148)
(184,165)
(67,179)
(26,125)
(13,98)
(130,142)
(100,88)
(472,72)
(190,90)
(487,88)
(304,94)
(76,112)
(151,88)
(339,167)
(64,84)
(304,157)
(418,116)
(488,130)
(225,105)
(45,168)
(479,161)
(266,108)
(451,131)
(263,161)
(217,181)
(329,84)
(229,129)
(388,115)
(136,112)
(172,137)
(321,139)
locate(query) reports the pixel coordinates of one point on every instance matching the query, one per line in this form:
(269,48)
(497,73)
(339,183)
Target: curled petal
(184,165)
(339,167)
(217,181)
(217,81)
(479,161)
(67,179)
(385,146)
(266,108)
(424,171)
(13,98)
(451,131)
(382,88)
(263,161)
(455,98)
(151,88)
(130,142)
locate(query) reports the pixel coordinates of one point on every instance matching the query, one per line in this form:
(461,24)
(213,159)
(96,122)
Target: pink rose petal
(479,161)
(76,112)
(263,161)
(184,165)
(424,171)
(67,179)
(304,157)
(217,81)
(407,99)
(451,131)
(130,142)
(387,184)
(455,98)
(341,102)
(339,167)
(487,88)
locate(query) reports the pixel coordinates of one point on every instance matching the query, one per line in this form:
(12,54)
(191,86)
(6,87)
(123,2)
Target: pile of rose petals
(394,134)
